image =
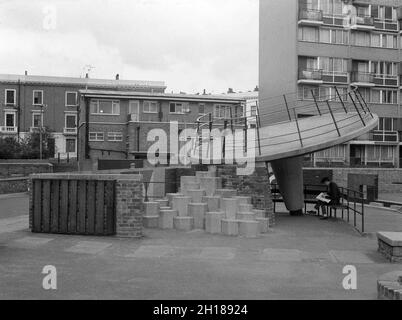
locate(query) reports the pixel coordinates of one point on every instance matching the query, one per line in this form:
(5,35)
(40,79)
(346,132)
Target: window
(308,34)
(376,40)
(9,119)
(105,107)
(71,146)
(201,108)
(71,121)
(37,120)
(134,107)
(179,107)
(37,97)
(10,97)
(325,35)
(96,136)
(384,96)
(361,38)
(389,41)
(222,111)
(115,136)
(71,99)
(253,110)
(333,65)
(150,107)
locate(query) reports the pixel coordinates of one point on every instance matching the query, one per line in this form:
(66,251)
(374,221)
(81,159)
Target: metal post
(40,133)
(315,101)
(298,128)
(225,125)
(340,98)
(362,215)
(287,107)
(357,110)
(245,134)
(333,118)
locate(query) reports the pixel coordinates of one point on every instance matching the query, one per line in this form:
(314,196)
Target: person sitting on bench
(332,196)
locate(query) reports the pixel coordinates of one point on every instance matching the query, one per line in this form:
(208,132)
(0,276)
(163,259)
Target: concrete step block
(243,200)
(226,193)
(196,195)
(189,186)
(230,227)
(259,213)
(183,223)
(249,229)
(166,219)
(198,212)
(170,197)
(249,216)
(229,206)
(202,174)
(180,203)
(245,207)
(213,202)
(210,184)
(162,202)
(213,222)
(165,208)
(151,222)
(263,224)
(184,180)
(151,209)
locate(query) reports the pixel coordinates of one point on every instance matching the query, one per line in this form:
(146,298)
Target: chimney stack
(87,75)
(117,77)
(26,72)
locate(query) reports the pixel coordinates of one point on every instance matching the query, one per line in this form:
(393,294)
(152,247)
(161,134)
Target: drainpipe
(87,128)
(19,110)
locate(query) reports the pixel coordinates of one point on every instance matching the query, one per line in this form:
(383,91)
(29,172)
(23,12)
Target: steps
(202,204)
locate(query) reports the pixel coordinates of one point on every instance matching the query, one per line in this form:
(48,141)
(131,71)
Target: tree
(31,145)
(10,148)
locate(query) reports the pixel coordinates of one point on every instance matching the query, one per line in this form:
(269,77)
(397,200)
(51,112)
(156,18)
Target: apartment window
(96,136)
(306,92)
(388,124)
(134,107)
(179,107)
(253,110)
(71,121)
(115,136)
(222,111)
(383,13)
(331,7)
(9,119)
(10,95)
(384,96)
(325,35)
(37,120)
(37,97)
(361,38)
(150,107)
(333,65)
(105,107)
(201,108)
(71,99)
(384,68)
(376,40)
(71,146)
(308,34)
(389,41)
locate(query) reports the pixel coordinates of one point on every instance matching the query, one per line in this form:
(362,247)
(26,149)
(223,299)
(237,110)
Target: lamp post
(40,130)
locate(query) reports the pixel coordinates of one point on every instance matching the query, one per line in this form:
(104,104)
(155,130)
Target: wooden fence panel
(72,207)
(82,209)
(91,208)
(100,208)
(110,208)
(37,210)
(55,194)
(63,206)
(46,206)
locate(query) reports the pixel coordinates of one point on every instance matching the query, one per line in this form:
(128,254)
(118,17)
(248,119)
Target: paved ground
(301,258)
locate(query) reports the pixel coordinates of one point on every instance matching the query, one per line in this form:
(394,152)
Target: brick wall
(23,168)
(256,185)
(13,185)
(129,208)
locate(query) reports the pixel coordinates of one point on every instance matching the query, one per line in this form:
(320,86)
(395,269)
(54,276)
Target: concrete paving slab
(29,242)
(346,256)
(152,252)
(281,255)
(89,247)
(220,253)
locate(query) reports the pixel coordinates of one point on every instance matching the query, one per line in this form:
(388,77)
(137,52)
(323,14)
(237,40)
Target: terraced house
(344,44)
(30,102)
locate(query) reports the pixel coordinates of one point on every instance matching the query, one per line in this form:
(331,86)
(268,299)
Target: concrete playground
(301,258)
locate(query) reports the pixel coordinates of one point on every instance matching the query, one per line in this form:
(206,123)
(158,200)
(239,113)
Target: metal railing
(310,74)
(363,77)
(363,20)
(384,136)
(310,14)
(352,203)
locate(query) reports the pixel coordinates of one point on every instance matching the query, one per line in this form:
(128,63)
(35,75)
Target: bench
(390,245)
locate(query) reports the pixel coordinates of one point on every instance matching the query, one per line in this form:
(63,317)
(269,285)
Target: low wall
(14,185)
(69,204)
(23,168)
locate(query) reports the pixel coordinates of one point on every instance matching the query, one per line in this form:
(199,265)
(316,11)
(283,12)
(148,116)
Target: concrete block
(202,174)
(214,203)
(229,206)
(151,209)
(249,229)
(263,225)
(180,204)
(183,223)
(151,222)
(163,202)
(226,193)
(170,197)
(198,212)
(250,216)
(184,180)
(259,213)
(165,208)
(196,195)
(166,219)
(245,207)
(243,200)
(189,186)
(210,184)
(230,227)
(213,222)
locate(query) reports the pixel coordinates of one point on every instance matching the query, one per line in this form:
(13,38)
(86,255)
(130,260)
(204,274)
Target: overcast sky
(189,44)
